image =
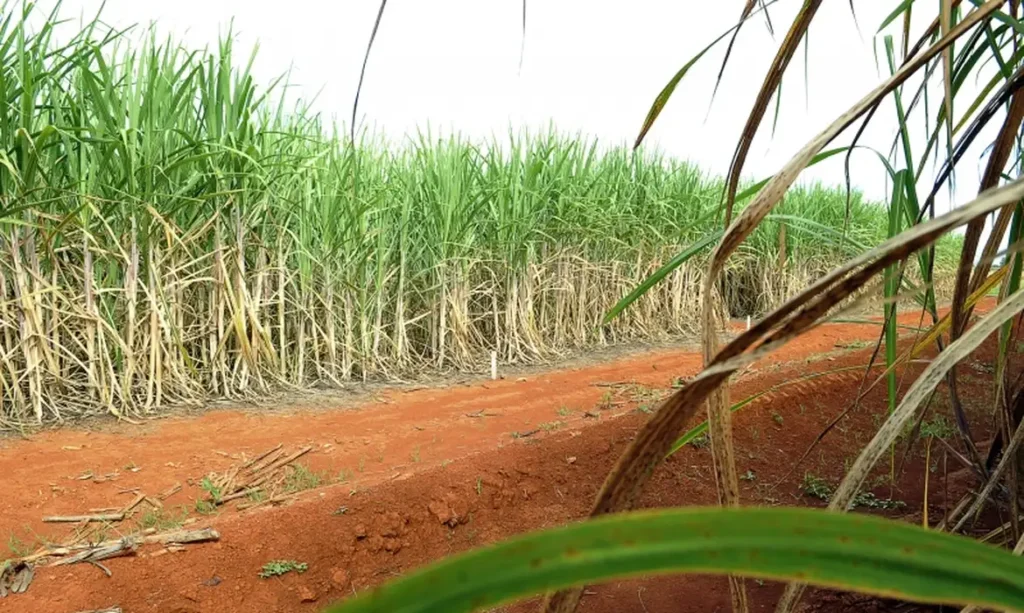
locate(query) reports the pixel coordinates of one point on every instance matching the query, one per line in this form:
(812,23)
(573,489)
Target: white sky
(592,66)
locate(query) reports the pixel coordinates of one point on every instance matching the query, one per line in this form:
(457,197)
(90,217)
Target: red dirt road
(417,458)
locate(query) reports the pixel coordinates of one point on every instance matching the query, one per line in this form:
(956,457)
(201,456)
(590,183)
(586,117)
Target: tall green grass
(172,231)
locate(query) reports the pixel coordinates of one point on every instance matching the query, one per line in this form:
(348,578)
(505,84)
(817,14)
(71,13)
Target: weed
(701,441)
(344,475)
(256,495)
(276,568)
(212,490)
(162,519)
(748,476)
(553,425)
(867,499)
(415,455)
(777,418)
(564,411)
(819,488)
(938,427)
(645,408)
(301,478)
(816,487)
(606,401)
(18,547)
(205,507)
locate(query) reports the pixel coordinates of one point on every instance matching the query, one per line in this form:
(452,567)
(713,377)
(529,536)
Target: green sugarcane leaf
(854,552)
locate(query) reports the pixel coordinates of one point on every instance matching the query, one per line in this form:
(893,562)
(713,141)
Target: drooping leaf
(366,59)
(796,33)
(921,389)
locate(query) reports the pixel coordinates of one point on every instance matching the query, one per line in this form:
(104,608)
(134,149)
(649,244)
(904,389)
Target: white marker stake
(748,322)
(494,365)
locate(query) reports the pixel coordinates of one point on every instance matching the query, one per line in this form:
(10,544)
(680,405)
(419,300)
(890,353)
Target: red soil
(415,458)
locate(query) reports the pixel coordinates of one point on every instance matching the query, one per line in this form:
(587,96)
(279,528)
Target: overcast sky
(589,66)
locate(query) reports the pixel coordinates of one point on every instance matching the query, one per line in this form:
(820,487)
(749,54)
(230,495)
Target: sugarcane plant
(963,43)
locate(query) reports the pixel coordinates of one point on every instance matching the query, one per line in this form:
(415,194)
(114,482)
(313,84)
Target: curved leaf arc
(855,552)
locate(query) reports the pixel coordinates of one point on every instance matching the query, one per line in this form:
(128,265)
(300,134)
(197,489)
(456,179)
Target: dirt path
(404,465)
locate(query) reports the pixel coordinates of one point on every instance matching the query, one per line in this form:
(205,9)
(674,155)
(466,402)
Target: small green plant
(701,441)
(344,475)
(777,417)
(162,519)
(748,476)
(415,455)
(821,489)
(564,411)
(552,425)
(938,427)
(276,568)
(205,507)
(606,401)
(256,495)
(301,478)
(816,487)
(211,490)
(18,547)
(867,499)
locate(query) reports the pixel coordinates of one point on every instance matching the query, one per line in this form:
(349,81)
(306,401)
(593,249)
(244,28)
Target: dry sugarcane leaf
(748,8)
(796,33)
(123,547)
(922,388)
(772,192)
(719,416)
(800,313)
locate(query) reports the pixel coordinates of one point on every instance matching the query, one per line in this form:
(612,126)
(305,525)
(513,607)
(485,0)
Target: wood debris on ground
(107,515)
(16,575)
(260,481)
